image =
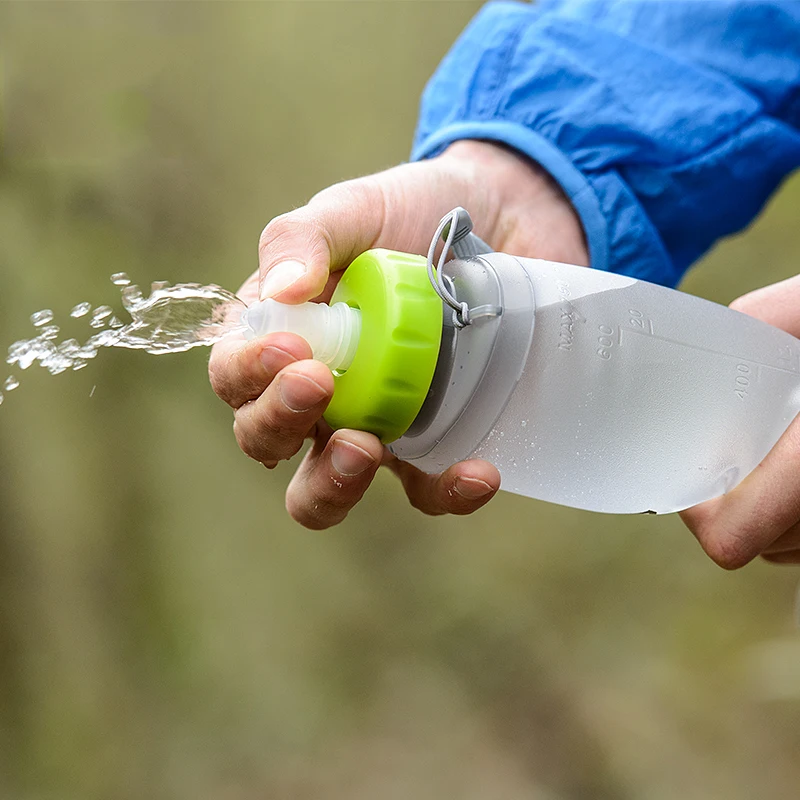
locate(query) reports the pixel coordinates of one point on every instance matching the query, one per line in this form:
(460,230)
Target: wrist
(528,211)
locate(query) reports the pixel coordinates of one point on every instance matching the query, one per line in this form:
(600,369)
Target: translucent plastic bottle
(590,389)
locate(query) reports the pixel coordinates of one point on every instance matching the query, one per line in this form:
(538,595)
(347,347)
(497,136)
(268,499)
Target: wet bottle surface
(599,391)
(638,398)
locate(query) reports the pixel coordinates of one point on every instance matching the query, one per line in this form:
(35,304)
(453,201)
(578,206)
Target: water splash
(80,310)
(100,315)
(172,319)
(39,318)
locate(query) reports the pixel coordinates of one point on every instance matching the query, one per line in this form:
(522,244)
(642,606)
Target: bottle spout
(332,331)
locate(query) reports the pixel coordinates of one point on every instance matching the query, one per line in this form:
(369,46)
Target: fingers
(240,371)
(735,528)
(778,304)
(299,250)
(273,427)
(792,557)
(461,489)
(761,514)
(333,478)
(785,549)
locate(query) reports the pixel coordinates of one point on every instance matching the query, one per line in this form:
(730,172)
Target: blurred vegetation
(165,630)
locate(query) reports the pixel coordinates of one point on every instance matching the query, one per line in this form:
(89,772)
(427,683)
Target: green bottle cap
(384,388)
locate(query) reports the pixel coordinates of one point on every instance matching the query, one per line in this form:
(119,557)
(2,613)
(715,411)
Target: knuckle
(219,376)
(424,505)
(336,497)
(248,444)
(727,548)
(744,304)
(729,543)
(322,499)
(284,229)
(357,193)
(262,441)
(273,229)
(315,513)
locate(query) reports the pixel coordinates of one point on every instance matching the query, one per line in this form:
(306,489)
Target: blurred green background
(165,630)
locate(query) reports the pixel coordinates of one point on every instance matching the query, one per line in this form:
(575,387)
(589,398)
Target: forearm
(663,136)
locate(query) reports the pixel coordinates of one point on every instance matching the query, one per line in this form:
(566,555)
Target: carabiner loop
(456,227)
(460,310)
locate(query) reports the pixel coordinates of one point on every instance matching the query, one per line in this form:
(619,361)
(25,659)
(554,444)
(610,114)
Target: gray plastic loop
(456,228)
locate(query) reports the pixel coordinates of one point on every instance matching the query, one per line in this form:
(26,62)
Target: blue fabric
(668,123)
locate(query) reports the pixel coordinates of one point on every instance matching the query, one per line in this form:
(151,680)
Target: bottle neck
(332,332)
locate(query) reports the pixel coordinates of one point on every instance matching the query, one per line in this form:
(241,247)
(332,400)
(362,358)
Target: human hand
(279,394)
(761,516)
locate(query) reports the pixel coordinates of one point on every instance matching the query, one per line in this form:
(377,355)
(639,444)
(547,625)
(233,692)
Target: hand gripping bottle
(584,388)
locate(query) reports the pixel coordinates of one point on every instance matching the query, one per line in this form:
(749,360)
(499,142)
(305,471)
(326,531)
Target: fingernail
(300,393)
(471,488)
(280,277)
(350,459)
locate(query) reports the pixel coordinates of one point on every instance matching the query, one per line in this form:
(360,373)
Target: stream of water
(171,319)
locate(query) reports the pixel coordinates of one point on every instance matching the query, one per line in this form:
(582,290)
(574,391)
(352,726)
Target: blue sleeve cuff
(617,230)
(668,124)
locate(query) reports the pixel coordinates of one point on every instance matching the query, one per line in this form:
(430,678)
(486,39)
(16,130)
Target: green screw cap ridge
(401,328)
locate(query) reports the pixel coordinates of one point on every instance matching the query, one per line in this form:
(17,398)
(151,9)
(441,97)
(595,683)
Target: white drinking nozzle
(331,331)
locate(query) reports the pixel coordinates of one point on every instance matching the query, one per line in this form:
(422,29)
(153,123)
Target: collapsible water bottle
(584,388)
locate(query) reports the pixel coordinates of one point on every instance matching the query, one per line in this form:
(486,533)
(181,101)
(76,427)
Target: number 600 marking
(605,341)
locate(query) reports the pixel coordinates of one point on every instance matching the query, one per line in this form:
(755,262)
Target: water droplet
(39,318)
(80,310)
(11,383)
(101,312)
(100,316)
(120,279)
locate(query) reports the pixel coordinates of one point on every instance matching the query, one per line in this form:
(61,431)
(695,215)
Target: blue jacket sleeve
(668,124)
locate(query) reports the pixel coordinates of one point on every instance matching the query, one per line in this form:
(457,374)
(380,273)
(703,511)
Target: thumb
(298,251)
(778,304)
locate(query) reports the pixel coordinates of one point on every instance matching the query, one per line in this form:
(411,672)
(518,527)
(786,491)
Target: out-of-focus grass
(165,630)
